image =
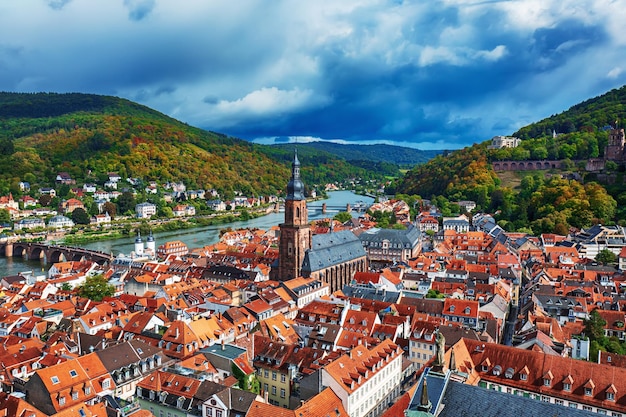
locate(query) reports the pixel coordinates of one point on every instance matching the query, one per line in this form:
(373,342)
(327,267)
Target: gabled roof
(332,249)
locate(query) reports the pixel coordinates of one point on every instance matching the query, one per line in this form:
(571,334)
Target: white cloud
(614,73)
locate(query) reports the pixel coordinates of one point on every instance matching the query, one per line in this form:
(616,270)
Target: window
(218,413)
(283,377)
(87,390)
(282,393)
(73,373)
(75,395)
(273,375)
(273,389)
(61,400)
(55,379)
(567,386)
(267,373)
(588,392)
(523,377)
(587,408)
(546,382)
(610,396)
(265,387)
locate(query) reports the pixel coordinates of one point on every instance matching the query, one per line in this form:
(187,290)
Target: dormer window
(610,393)
(452,309)
(467,310)
(588,391)
(567,386)
(547,379)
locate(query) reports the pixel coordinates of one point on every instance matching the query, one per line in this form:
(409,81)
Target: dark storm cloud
(423,74)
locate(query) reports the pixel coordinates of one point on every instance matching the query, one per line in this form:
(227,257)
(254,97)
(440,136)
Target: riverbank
(125,230)
(194,237)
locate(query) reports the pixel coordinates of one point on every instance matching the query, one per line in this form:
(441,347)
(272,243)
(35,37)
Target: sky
(424,74)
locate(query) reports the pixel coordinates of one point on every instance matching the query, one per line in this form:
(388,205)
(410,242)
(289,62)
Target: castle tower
(295,232)
(614,150)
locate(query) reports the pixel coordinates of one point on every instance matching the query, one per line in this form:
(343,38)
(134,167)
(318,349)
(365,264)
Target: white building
(60,222)
(366,380)
(145,210)
(498,142)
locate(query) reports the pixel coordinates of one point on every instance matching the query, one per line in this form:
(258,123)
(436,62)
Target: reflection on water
(197,237)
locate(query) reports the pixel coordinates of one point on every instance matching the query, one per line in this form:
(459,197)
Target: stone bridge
(52,253)
(525,165)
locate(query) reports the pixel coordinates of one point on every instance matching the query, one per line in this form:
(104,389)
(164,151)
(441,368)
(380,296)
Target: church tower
(295,232)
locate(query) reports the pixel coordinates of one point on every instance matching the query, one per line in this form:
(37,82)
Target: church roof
(332,249)
(408,238)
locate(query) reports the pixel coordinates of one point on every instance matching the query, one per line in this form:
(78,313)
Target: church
(332,258)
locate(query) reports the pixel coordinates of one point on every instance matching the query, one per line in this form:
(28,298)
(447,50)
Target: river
(196,237)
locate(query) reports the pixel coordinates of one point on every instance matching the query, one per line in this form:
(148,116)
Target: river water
(197,237)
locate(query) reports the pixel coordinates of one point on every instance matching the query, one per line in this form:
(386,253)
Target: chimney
(223,347)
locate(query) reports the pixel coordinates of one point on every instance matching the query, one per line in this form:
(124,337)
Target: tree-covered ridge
(317,164)
(88,135)
(462,174)
(544,201)
(590,115)
(366,154)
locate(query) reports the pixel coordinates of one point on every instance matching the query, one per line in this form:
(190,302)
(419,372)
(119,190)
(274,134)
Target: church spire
(295,187)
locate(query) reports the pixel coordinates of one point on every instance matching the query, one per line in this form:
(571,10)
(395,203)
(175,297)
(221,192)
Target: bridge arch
(36,252)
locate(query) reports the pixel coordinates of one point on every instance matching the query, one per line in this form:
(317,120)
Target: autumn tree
(110,208)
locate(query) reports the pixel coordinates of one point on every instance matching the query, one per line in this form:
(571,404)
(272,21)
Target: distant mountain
(88,135)
(404,157)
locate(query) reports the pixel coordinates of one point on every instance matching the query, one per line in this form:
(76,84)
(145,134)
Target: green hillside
(89,135)
(540,200)
(589,116)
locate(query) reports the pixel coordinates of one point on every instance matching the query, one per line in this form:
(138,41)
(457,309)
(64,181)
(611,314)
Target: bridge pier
(348,208)
(8,250)
(277,207)
(324,208)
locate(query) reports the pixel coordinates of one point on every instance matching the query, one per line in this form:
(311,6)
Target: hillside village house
(145,210)
(60,222)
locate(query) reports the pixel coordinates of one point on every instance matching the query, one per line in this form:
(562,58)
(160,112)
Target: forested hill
(539,201)
(590,115)
(90,135)
(366,154)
